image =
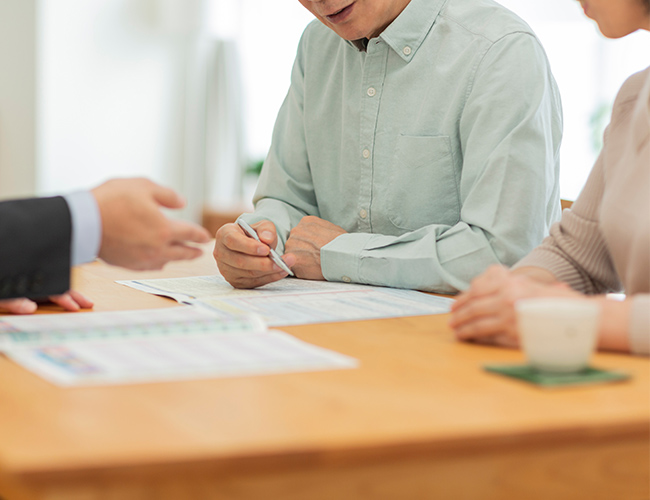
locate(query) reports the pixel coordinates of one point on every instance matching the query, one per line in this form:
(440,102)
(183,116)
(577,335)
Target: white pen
(272,254)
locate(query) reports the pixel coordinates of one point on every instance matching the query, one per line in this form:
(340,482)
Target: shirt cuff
(86,227)
(340,259)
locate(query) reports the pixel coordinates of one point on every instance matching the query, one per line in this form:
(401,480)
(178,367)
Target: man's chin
(349,35)
(344,30)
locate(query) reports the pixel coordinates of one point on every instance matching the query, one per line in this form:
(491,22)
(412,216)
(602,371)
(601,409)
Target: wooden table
(419,419)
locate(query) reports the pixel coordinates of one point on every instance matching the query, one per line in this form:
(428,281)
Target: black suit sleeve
(35,239)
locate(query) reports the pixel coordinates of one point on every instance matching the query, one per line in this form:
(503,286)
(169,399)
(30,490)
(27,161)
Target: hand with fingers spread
(243,261)
(485,312)
(135,233)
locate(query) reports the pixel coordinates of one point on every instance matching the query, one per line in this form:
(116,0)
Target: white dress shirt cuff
(86,227)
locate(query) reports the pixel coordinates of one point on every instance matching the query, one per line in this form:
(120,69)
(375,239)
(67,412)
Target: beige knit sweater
(603,243)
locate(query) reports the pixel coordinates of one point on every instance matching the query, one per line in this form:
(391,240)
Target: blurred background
(185,92)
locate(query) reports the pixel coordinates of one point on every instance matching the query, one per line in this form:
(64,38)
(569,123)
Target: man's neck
(361,44)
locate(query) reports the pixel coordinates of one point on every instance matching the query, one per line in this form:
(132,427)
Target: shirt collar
(407,32)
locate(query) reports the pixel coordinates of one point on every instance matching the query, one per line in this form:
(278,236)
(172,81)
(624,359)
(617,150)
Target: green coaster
(528,374)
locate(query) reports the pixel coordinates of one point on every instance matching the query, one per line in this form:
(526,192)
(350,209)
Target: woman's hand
(485,313)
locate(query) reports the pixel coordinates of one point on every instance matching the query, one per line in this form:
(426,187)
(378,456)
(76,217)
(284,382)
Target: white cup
(558,335)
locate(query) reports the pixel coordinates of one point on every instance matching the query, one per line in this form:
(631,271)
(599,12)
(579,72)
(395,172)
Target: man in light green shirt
(417,145)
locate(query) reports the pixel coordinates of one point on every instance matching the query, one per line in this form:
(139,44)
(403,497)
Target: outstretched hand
(135,233)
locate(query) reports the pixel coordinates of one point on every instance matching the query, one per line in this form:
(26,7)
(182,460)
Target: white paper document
(295,301)
(155,345)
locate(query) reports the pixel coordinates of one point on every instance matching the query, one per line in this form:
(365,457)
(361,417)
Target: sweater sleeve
(575,252)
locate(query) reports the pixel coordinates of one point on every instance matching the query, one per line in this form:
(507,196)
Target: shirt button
(406,51)
(363,214)
(346,279)
(371,91)
(366,153)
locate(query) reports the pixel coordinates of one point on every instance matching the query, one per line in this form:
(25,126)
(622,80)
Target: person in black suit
(119,221)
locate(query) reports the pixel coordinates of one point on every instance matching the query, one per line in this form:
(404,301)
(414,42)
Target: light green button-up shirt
(436,148)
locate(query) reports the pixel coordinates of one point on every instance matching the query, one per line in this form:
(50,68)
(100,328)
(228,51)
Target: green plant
(254,167)
(598,121)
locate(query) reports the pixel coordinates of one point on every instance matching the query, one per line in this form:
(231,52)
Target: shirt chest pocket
(423,187)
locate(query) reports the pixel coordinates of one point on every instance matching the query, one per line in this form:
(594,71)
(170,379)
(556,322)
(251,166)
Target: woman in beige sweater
(603,243)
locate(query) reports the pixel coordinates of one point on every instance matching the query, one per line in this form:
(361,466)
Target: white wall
(111,90)
(125,90)
(17,97)
(268,36)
